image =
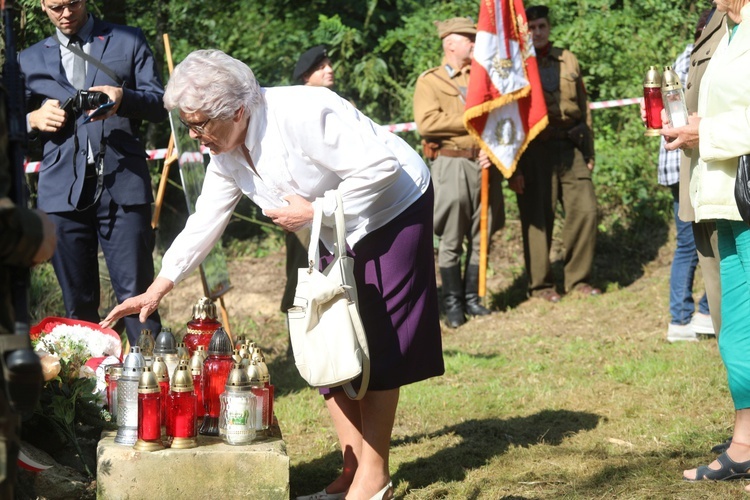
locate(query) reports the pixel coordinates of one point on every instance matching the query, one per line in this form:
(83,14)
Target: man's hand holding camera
(114,94)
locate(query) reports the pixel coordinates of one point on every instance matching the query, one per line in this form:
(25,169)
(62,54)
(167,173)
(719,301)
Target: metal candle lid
(652,78)
(134,363)
(146,342)
(159,367)
(204,309)
(220,343)
(238,380)
(147,384)
(254,373)
(201,349)
(182,351)
(165,342)
(182,380)
(114,370)
(196,364)
(670,80)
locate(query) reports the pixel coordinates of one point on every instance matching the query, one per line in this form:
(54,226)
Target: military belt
(470,153)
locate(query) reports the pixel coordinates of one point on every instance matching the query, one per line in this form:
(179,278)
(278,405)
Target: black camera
(85,100)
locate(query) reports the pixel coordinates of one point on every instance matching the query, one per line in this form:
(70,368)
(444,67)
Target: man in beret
(457,162)
(314,69)
(557,166)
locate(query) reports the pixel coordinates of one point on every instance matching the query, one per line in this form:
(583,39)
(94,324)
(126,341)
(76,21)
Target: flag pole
(483,243)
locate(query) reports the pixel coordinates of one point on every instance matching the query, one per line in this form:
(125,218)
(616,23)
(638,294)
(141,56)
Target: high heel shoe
(323,495)
(380,495)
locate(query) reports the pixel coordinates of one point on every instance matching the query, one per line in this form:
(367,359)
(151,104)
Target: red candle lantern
(196,370)
(149,413)
(265,377)
(652,101)
(182,425)
(162,378)
(202,326)
(216,369)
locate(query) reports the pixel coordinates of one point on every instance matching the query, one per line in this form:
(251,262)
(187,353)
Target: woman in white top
(287,148)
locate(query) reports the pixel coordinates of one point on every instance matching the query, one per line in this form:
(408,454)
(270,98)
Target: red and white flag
(505,106)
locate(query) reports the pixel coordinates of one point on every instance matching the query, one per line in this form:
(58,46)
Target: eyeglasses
(199,129)
(71,6)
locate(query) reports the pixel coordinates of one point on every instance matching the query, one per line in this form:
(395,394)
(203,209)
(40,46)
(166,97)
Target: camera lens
(96,99)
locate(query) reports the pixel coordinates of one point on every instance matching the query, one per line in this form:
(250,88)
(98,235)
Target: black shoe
(474,305)
(453,296)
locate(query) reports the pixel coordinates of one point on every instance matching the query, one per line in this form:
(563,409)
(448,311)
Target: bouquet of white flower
(73,348)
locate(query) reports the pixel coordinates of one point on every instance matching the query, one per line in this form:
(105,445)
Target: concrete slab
(212,470)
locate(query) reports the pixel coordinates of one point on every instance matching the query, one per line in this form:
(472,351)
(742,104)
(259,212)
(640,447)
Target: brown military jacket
(564,94)
(439,101)
(703,49)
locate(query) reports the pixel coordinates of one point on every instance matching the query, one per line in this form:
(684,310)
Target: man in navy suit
(94,182)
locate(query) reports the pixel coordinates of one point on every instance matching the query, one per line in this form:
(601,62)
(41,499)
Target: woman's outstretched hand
(143,304)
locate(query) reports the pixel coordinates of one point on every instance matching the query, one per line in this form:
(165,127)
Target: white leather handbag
(328,338)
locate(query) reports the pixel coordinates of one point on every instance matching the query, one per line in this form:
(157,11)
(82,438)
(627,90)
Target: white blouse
(306,141)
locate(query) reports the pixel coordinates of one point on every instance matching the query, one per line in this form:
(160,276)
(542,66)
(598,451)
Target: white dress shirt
(306,141)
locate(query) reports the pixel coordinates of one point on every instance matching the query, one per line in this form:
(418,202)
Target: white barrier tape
(614,103)
(160,154)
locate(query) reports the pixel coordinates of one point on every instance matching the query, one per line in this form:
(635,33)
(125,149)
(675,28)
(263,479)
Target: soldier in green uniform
(557,166)
(457,163)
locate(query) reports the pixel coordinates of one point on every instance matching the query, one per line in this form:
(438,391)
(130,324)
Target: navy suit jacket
(125,51)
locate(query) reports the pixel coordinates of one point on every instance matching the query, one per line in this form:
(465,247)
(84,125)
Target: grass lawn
(581,399)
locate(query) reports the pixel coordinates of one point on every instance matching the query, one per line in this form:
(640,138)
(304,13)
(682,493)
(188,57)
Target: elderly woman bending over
(720,134)
(287,149)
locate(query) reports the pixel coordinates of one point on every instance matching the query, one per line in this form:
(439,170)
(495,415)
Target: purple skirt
(394,268)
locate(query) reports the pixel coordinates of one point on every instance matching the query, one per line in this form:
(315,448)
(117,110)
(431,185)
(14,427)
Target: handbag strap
(313,248)
(340,247)
(340,251)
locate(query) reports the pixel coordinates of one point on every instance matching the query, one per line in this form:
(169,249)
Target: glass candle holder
(216,369)
(674,98)
(261,395)
(202,326)
(127,398)
(162,378)
(112,376)
(182,425)
(149,413)
(146,343)
(652,101)
(196,370)
(238,409)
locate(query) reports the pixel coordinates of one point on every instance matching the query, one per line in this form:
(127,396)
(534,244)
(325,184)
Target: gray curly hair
(214,83)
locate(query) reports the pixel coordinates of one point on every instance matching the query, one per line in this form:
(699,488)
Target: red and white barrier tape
(160,154)
(614,103)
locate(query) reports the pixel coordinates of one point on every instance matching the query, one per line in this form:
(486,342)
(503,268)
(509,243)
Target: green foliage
(65,404)
(379,48)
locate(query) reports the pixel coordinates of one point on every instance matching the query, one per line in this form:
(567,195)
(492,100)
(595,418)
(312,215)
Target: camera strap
(96,62)
(99,168)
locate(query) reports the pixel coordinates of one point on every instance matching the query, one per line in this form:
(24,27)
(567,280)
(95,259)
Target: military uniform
(554,168)
(439,101)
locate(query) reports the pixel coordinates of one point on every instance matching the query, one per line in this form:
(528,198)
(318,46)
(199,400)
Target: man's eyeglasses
(71,6)
(199,129)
